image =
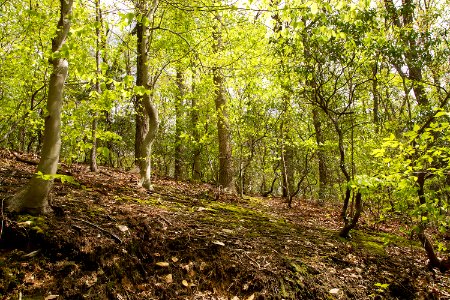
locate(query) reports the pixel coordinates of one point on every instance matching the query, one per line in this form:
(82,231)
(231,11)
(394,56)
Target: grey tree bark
(147,120)
(98,19)
(33,198)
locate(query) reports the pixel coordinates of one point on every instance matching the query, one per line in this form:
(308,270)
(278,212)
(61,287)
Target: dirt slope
(108,239)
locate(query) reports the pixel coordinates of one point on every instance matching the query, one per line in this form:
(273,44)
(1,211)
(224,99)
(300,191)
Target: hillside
(109,239)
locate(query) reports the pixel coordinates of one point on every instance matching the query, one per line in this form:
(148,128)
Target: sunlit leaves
(421,151)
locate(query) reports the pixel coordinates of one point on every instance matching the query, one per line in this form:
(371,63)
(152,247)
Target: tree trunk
(196,169)
(349,225)
(412,55)
(433,260)
(34,197)
(142,124)
(225,152)
(287,157)
(376,96)
(146,113)
(323,180)
(98,20)
(412,58)
(287,170)
(178,126)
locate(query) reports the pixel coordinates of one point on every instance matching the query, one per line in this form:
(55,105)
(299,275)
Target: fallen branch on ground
(115,237)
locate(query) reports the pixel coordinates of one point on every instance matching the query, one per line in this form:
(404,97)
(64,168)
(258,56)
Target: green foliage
(421,151)
(382,287)
(63,178)
(345,61)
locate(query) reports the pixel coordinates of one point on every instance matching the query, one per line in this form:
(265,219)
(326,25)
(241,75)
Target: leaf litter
(108,238)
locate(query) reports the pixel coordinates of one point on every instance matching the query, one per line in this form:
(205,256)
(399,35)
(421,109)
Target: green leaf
(441,113)
(378,152)
(314,8)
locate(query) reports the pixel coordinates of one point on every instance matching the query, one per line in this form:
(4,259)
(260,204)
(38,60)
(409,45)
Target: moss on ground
(377,242)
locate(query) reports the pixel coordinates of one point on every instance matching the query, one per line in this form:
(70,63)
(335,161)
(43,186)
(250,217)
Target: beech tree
(226,180)
(34,197)
(309,100)
(146,113)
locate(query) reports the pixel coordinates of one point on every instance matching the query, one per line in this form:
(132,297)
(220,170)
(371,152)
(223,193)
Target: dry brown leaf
(168,278)
(162,264)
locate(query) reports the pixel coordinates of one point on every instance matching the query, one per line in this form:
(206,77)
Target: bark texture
(287,168)
(179,162)
(411,53)
(433,260)
(320,155)
(375,95)
(33,198)
(196,167)
(98,19)
(350,224)
(225,151)
(147,120)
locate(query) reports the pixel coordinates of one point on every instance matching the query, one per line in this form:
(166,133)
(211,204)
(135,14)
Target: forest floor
(109,239)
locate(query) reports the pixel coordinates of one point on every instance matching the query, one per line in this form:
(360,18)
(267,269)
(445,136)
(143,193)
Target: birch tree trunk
(33,198)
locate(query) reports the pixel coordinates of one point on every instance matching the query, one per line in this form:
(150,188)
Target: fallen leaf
(334,291)
(185,283)
(122,228)
(251,297)
(188,266)
(25,224)
(162,264)
(168,278)
(32,254)
(91,281)
(50,297)
(174,259)
(218,243)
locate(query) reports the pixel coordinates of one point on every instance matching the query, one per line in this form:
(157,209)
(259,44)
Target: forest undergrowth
(109,239)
